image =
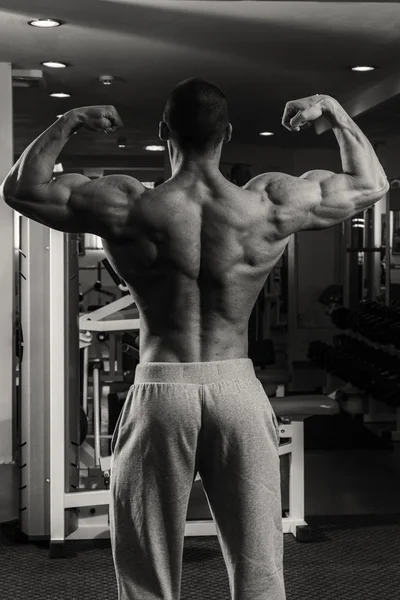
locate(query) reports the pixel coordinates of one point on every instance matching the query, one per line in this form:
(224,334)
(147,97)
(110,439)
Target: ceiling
(261,54)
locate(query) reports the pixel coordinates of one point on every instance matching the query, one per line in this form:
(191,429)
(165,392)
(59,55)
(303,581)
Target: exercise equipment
(392,245)
(369,314)
(373,368)
(72,503)
(116,317)
(365,367)
(362,248)
(97,288)
(120,283)
(291,411)
(332,297)
(374,321)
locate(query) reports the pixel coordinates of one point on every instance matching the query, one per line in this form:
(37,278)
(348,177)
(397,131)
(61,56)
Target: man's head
(196,117)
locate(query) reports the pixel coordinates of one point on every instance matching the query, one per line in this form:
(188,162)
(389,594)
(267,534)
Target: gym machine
(57,501)
(107,319)
(364,360)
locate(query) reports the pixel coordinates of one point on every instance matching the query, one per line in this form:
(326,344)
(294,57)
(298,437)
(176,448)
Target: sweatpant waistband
(195,372)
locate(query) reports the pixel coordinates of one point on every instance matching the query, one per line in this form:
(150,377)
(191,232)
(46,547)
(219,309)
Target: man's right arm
(320,199)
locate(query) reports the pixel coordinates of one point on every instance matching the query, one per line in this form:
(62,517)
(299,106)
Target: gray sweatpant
(179,419)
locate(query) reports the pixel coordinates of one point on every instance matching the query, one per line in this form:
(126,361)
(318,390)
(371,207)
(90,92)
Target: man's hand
(300,114)
(98,118)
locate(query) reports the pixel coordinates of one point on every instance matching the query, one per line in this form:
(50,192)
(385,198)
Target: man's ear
(164,132)
(228,133)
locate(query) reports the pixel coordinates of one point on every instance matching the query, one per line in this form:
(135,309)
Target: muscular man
(195,253)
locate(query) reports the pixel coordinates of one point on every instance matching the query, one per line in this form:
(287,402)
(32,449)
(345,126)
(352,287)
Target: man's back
(196,251)
(195,256)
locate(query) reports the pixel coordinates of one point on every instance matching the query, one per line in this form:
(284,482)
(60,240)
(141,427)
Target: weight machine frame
(52,506)
(369,243)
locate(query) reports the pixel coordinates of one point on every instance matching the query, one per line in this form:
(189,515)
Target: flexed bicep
(105,205)
(75,204)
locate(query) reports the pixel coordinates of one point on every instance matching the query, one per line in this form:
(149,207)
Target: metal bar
(85,378)
(111,348)
(120,325)
(346,264)
(388,251)
(108,310)
(114,276)
(57,390)
(296,481)
(7,294)
(89,498)
(96,413)
(292,295)
(366,249)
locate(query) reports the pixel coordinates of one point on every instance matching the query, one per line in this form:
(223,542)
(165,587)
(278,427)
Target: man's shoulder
(261,182)
(125,183)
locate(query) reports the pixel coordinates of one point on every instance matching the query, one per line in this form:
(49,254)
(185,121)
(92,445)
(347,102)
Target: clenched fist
(300,114)
(98,118)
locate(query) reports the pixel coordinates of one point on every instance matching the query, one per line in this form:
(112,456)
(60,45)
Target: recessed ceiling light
(54,65)
(44,23)
(266,133)
(59,116)
(362,69)
(106,79)
(154,148)
(60,95)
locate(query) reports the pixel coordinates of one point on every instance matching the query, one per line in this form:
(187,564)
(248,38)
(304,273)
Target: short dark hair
(196,112)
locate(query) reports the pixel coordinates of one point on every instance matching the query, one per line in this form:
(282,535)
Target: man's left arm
(71,203)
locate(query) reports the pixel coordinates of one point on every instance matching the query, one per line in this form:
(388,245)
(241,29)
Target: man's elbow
(10,199)
(379,186)
(379,190)
(385,187)
(9,190)
(15,195)
(6,193)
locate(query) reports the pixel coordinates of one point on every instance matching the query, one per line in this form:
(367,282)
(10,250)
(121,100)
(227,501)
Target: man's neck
(190,164)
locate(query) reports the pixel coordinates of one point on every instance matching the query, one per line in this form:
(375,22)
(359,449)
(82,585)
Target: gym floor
(352,501)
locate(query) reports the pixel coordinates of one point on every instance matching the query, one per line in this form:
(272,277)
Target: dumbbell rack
(374,411)
(367,355)
(377,410)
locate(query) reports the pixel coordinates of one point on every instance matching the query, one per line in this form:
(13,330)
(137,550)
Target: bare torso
(195,257)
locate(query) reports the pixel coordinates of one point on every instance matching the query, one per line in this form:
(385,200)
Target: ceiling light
(121,143)
(60,95)
(59,116)
(44,23)
(362,69)
(106,79)
(54,65)
(266,133)
(153,148)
